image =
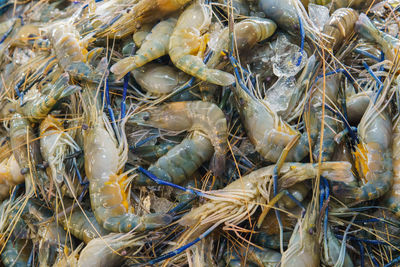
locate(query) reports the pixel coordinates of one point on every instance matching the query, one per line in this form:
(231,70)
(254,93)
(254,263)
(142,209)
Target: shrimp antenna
(125,87)
(365,53)
(162,182)
(302,35)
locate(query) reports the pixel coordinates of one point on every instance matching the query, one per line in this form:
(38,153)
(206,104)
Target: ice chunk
(288,60)
(319,15)
(279,95)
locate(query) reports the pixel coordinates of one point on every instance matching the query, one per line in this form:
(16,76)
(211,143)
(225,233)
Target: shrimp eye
(146,117)
(85,126)
(24,171)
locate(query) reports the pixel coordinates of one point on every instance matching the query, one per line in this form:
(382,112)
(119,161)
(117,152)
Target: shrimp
(145,11)
(83,225)
(154,46)
(16,253)
(109,250)
(331,127)
(54,144)
(356,105)
(372,156)
(259,257)
(37,105)
(202,116)
(303,248)
(24,150)
(339,26)
(186,45)
(10,176)
(356,4)
(247,33)
(388,43)
(104,163)
(393,196)
(180,162)
(70,51)
(332,253)
(159,79)
(266,130)
(241,198)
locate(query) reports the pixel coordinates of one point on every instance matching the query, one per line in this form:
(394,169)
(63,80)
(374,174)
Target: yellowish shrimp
(247,33)
(202,116)
(187,45)
(55,143)
(303,249)
(339,27)
(372,156)
(159,79)
(37,105)
(154,46)
(10,176)
(104,164)
(145,11)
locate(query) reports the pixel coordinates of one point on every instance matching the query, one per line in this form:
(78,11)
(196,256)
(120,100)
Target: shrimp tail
(195,66)
(365,27)
(126,222)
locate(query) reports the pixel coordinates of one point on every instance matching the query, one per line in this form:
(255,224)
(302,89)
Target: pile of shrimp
(200,133)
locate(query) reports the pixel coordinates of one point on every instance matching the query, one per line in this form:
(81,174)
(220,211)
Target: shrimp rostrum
(104,163)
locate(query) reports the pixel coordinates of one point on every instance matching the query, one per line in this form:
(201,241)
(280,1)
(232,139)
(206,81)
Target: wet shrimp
(356,4)
(187,45)
(154,46)
(180,163)
(37,105)
(104,163)
(202,116)
(10,176)
(339,27)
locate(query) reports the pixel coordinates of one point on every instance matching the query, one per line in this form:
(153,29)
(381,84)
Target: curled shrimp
(37,105)
(187,45)
(10,176)
(202,116)
(154,46)
(104,163)
(180,162)
(339,26)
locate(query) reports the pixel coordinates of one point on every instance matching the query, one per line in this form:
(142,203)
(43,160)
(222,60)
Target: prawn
(10,176)
(37,105)
(104,163)
(154,46)
(186,45)
(202,116)
(356,4)
(180,162)
(339,26)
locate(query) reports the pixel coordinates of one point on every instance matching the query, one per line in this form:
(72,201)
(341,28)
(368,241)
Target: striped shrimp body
(392,199)
(388,43)
(55,143)
(104,163)
(180,163)
(187,45)
(331,125)
(83,225)
(70,51)
(154,46)
(372,156)
(339,27)
(303,248)
(37,105)
(266,130)
(20,132)
(202,116)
